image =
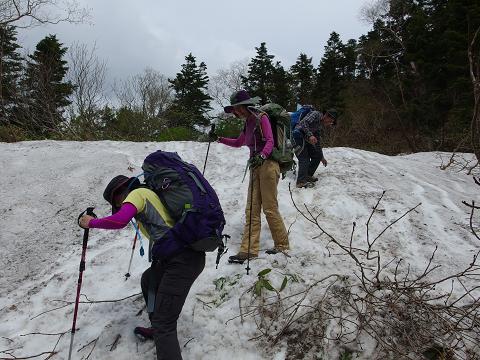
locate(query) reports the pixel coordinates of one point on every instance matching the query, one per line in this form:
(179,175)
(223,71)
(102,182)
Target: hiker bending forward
(165,285)
(308,150)
(264,172)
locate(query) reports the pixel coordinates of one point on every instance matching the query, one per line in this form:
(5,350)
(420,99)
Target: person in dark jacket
(308,150)
(165,285)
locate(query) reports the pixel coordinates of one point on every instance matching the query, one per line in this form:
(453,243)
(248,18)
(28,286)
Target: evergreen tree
(418,58)
(329,74)
(46,92)
(281,92)
(303,78)
(437,35)
(260,73)
(191,94)
(129,124)
(377,50)
(10,72)
(107,116)
(349,60)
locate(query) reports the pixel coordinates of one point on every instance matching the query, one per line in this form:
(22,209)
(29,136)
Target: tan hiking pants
(264,185)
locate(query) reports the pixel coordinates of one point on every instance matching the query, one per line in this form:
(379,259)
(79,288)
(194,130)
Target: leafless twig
(399,309)
(84,302)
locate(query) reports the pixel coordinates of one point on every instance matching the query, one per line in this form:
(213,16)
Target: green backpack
(280,122)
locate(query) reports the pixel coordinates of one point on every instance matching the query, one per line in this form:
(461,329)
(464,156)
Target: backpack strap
(152,288)
(258,115)
(197,182)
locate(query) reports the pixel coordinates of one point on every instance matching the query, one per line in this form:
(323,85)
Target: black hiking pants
(171,281)
(308,155)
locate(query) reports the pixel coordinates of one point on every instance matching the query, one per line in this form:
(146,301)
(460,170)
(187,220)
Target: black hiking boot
(305,184)
(240,258)
(272,251)
(144,333)
(312,179)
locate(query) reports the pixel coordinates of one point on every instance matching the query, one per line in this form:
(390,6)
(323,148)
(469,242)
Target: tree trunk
(474,60)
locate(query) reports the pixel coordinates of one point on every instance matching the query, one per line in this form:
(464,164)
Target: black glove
(256,161)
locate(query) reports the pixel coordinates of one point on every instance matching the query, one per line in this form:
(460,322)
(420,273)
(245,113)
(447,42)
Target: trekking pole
(89,211)
(250,221)
(212,130)
(127,275)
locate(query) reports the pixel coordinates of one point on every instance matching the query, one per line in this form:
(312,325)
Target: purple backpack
(190,201)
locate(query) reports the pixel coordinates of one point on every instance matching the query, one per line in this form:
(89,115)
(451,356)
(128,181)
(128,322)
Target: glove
(212,136)
(256,161)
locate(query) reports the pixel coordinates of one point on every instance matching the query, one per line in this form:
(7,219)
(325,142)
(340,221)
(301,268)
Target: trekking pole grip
(89,212)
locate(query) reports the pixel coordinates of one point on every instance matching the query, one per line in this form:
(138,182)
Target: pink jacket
(116,221)
(253,138)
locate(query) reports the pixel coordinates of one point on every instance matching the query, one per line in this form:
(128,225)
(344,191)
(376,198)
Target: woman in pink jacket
(265,173)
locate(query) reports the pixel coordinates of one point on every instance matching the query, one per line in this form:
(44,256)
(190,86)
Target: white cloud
(146,33)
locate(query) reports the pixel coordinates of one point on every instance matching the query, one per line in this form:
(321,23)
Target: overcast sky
(133,35)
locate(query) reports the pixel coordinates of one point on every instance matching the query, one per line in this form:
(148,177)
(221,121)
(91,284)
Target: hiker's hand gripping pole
(90,212)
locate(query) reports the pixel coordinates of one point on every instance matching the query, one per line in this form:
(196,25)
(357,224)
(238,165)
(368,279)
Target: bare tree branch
(400,310)
(29,13)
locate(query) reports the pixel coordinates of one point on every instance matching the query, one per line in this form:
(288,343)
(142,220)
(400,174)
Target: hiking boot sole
(232,261)
(272,251)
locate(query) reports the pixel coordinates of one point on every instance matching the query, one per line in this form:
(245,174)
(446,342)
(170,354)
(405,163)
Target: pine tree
(303,78)
(281,92)
(260,72)
(46,92)
(418,58)
(441,62)
(10,72)
(329,74)
(349,60)
(191,101)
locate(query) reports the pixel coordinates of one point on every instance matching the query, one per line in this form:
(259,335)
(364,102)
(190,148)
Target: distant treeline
(406,86)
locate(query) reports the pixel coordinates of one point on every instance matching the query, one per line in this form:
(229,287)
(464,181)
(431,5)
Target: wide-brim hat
(118,183)
(241,97)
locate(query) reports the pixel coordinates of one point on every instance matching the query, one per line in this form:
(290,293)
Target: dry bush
(380,310)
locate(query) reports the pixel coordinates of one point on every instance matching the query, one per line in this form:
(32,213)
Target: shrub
(179,133)
(229,127)
(12,133)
